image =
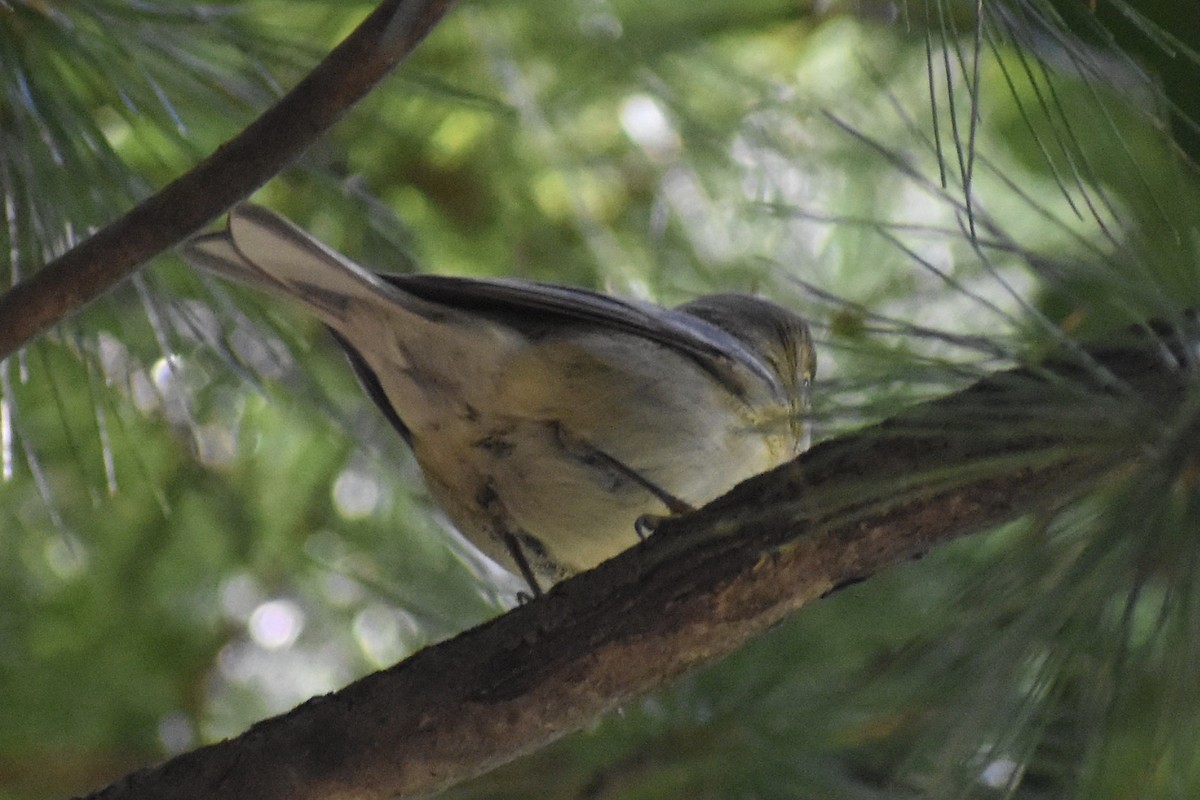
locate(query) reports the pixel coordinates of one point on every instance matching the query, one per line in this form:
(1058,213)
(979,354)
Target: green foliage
(204,522)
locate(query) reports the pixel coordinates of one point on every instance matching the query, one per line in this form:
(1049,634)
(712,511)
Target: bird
(553,425)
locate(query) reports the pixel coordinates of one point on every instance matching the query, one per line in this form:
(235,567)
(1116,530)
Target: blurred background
(204,522)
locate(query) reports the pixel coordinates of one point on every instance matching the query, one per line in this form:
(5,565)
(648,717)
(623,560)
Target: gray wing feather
(536,309)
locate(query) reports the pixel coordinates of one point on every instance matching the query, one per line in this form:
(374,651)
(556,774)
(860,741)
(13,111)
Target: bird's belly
(573,503)
(591,453)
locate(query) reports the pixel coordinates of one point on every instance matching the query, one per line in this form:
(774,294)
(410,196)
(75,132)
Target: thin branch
(232,172)
(702,586)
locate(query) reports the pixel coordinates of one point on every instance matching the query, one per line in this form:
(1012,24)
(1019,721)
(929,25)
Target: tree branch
(703,585)
(231,173)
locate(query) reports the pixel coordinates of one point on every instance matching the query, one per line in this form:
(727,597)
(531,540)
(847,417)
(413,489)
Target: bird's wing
(537,309)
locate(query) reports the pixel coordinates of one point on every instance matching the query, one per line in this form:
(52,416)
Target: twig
(231,173)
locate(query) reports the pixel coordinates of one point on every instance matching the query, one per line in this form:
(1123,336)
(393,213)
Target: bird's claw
(647,524)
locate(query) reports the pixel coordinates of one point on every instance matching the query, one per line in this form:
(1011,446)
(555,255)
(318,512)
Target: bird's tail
(262,250)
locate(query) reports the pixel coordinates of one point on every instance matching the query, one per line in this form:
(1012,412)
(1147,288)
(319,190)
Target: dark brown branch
(701,587)
(231,173)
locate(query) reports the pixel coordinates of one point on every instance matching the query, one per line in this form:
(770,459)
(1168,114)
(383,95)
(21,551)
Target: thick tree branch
(702,586)
(231,173)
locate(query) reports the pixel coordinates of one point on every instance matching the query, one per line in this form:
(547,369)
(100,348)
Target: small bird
(552,424)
